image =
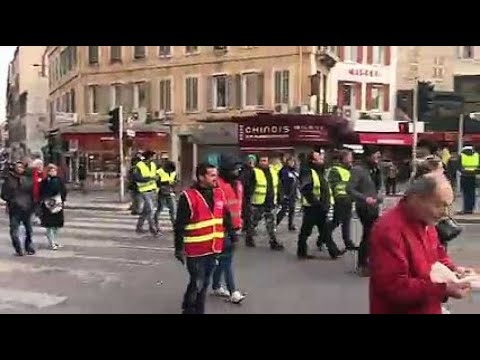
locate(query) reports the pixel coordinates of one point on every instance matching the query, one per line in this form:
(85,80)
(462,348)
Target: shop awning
(393,139)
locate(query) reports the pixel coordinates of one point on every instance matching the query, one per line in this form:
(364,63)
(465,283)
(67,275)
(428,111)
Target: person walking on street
(36,173)
(17,192)
(82,177)
(53,195)
(233,191)
(338,177)
(167,178)
(145,176)
(469,166)
(391,181)
(200,226)
(289,181)
(246,177)
(364,187)
(317,203)
(264,197)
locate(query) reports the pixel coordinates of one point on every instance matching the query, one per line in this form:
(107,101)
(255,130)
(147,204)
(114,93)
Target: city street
(104,268)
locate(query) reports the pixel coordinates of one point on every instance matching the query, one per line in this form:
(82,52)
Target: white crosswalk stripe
(94,240)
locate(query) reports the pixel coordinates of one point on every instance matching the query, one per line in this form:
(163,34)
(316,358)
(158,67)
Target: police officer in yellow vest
(317,202)
(145,176)
(264,194)
(469,164)
(338,177)
(167,178)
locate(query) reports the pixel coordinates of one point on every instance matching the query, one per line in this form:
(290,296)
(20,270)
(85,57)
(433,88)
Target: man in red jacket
(405,245)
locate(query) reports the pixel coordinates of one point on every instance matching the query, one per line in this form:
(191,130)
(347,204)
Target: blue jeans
(18,218)
(51,235)
(200,270)
(148,204)
(224,268)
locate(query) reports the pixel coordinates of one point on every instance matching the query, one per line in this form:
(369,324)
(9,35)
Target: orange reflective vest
(234,200)
(205,233)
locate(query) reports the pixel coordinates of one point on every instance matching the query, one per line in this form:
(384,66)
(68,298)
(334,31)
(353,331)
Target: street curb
(467,221)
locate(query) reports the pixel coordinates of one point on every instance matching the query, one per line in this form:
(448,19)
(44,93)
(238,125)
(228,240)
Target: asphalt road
(104,267)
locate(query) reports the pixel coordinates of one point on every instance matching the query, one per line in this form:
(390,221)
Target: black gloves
(180,256)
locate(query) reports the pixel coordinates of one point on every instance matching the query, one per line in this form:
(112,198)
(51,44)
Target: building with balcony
(365,79)
(26,105)
(181,97)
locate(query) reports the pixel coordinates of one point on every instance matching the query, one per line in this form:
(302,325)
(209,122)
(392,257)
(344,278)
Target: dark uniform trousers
(314,217)
(342,216)
(288,205)
(367,216)
(200,270)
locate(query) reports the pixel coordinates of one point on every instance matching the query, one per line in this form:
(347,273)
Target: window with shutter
(191,50)
(115,54)
(282,87)
(166,95)
(72,101)
(144,95)
(378,55)
(93,55)
(127,97)
(139,52)
(220,92)
(103,99)
(253,90)
(164,51)
(191,94)
(350,53)
(91,100)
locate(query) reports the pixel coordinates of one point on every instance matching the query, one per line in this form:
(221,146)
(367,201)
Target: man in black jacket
(317,201)
(17,191)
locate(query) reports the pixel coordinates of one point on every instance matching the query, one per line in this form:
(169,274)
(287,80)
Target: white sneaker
(221,291)
(54,247)
(445,310)
(237,297)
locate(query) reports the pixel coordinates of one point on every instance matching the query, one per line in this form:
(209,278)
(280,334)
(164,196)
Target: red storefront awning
(393,139)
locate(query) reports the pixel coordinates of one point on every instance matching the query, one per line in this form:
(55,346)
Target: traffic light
(114,120)
(403,127)
(425,97)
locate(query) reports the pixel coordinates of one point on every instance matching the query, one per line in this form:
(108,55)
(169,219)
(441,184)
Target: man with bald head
(405,245)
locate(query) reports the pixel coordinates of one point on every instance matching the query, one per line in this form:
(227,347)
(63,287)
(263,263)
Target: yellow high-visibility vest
(166,177)
(470,162)
(147,172)
(317,189)
(260,193)
(341,188)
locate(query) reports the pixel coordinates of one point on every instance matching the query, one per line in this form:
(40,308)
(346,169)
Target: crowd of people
(228,201)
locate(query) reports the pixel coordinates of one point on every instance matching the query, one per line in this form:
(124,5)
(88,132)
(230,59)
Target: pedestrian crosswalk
(97,248)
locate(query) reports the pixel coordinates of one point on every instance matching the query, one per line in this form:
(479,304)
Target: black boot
(333,251)
(349,245)
(275,245)
(249,242)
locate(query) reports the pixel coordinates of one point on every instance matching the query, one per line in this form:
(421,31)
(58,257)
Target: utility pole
(122,160)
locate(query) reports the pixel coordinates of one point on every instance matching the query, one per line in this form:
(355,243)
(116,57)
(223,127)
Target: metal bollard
(351,256)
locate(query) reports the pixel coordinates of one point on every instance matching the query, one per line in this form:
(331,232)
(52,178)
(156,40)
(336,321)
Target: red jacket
(234,200)
(402,252)
(37,177)
(204,234)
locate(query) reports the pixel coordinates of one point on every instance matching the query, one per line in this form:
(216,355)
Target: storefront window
(107,163)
